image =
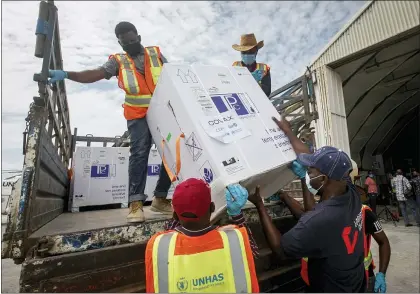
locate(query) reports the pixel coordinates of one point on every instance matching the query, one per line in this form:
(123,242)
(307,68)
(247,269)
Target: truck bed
(77,232)
(68,222)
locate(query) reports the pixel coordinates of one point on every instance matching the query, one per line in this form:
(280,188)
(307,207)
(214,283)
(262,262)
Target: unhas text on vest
(200,283)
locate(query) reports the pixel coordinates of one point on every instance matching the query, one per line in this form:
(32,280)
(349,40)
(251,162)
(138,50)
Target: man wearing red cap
(193,255)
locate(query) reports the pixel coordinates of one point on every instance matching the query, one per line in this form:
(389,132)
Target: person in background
(197,256)
(372,190)
(402,187)
(372,227)
(416,188)
(260,71)
(137,70)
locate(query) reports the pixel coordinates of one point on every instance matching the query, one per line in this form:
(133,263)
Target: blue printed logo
(153,169)
(232,101)
(99,171)
(208,175)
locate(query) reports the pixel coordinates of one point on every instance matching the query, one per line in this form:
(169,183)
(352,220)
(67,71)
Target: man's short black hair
(124,27)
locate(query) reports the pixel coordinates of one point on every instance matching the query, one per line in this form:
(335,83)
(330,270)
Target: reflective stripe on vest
(164,265)
(130,83)
(155,63)
(368,260)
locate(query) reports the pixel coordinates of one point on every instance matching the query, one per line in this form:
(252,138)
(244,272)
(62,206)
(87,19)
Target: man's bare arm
(87,76)
(384,250)
(294,206)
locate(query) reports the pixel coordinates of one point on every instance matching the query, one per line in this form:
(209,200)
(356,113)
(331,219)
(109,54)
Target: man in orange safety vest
(195,256)
(138,71)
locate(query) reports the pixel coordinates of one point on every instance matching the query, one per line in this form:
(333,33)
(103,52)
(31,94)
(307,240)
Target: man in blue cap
(331,235)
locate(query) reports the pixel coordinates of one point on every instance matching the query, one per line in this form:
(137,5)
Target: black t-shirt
(331,237)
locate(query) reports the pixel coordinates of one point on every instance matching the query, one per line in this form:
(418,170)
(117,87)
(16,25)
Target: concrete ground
(402,276)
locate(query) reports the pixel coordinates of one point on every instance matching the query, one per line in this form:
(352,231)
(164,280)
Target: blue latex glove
(298,169)
(380,283)
(56,75)
(257,74)
(236,197)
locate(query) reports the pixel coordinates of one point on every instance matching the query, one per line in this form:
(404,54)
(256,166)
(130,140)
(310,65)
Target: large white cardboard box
(100,176)
(153,171)
(222,121)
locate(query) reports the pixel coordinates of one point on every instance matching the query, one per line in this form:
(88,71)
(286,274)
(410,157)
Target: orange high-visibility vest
(138,88)
(368,260)
(260,66)
(219,261)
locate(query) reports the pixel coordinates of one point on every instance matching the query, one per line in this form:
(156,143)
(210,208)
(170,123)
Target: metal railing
(296,102)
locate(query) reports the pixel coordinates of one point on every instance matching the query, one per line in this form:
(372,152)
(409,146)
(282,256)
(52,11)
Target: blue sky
(294,32)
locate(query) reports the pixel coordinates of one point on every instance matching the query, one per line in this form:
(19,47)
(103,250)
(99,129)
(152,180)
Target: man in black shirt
(331,235)
(373,229)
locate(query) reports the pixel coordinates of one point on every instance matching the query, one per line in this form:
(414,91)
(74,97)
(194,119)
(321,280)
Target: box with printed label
(215,123)
(153,170)
(100,176)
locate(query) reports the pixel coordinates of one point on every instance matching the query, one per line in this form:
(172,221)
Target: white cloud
(294,32)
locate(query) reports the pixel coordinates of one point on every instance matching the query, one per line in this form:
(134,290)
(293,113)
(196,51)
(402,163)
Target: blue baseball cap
(330,161)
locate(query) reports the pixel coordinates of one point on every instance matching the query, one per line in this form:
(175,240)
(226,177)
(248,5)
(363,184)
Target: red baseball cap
(193,196)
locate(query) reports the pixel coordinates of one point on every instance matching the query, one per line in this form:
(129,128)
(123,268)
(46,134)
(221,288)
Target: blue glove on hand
(380,283)
(257,74)
(236,197)
(298,169)
(56,75)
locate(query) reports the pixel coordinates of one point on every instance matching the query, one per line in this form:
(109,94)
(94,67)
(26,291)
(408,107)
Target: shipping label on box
(100,176)
(226,122)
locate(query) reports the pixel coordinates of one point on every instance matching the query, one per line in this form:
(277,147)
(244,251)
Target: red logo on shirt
(350,244)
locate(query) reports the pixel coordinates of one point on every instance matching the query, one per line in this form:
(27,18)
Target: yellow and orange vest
(219,261)
(138,88)
(368,260)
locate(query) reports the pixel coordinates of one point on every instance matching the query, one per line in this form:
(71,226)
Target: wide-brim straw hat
(248,41)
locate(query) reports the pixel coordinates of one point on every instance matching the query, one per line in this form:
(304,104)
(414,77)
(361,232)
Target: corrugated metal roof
(376,22)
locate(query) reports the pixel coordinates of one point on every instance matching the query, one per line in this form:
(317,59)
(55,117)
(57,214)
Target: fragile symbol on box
(206,172)
(194,147)
(237,102)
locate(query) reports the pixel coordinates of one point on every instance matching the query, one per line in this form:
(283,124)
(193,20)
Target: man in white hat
(249,50)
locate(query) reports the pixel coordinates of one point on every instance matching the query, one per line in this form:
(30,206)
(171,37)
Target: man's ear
(139,38)
(212,207)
